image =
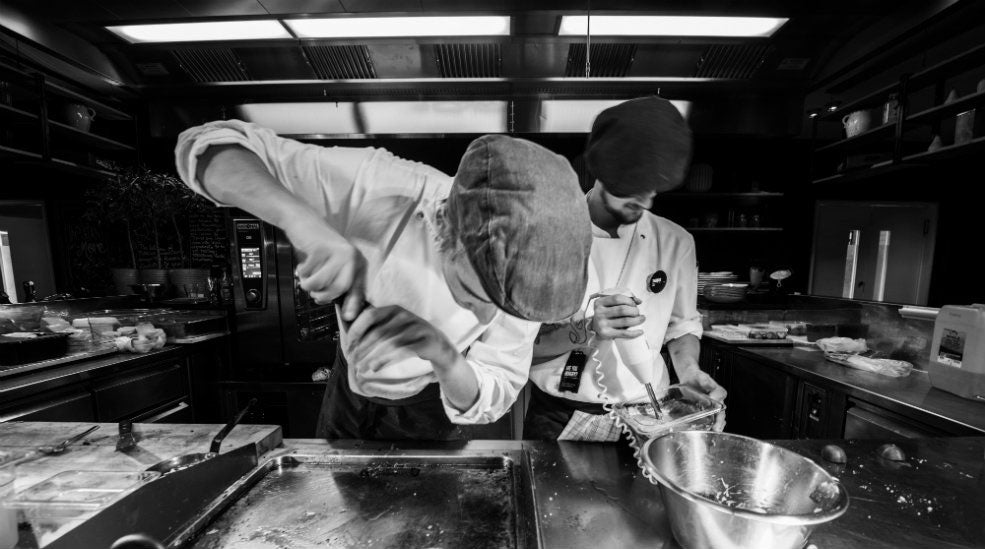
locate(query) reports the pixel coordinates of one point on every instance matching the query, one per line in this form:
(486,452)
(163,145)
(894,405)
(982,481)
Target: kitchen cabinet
(761,399)
(137,388)
(820,412)
(922,131)
(49,123)
(868,421)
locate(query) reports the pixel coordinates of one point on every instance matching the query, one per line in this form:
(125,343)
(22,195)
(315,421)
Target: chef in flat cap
(443,281)
(642,281)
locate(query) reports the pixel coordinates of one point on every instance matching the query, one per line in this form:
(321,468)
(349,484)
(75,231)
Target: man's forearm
(458,380)
(684,352)
(234,175)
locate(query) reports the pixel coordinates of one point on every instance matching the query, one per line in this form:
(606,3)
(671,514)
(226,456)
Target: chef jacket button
(420,215)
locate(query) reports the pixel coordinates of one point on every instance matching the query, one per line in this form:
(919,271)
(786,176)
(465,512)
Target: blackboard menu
(208,241)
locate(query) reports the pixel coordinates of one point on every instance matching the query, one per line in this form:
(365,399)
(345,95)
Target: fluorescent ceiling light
(660,25)
(302,117)
(577,115)
(403,117)
(378,27)
(201,32)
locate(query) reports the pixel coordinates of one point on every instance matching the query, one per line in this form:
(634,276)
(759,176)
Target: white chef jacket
(658,244)
(385,206)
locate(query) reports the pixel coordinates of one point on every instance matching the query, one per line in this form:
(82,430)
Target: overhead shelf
(16,115)
(88,137)
(869,136)
(102,109)
(18,154)
(934,114)
(947,152)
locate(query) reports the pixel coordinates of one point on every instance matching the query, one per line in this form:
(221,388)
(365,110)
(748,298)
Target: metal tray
(370,500)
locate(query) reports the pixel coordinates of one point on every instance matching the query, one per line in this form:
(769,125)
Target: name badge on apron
(571,375)
(656,282)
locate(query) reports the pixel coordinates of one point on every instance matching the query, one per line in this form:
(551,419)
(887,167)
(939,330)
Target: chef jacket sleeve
(500,359)
(685,318)
(322,177)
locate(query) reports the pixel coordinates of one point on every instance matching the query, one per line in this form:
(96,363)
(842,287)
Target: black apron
(344,414)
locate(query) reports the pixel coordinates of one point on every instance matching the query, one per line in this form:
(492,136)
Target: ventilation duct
(211,64)
(731,61)
(608,60)
(340,62)
(469,60)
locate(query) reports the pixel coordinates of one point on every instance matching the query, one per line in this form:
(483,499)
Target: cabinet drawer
(126,397)
(72,407)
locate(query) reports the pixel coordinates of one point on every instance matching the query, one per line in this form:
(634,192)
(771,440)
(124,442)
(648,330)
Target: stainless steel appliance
(281,336)
(878,251)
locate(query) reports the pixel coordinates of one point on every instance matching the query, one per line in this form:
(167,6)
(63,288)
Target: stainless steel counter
(593,495)
(912,395)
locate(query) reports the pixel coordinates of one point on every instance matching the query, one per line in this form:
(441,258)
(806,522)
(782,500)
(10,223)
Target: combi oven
(281,336)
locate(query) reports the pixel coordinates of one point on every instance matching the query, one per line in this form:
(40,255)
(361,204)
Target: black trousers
(345,414)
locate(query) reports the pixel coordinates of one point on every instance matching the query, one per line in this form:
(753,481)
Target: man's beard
(627,218)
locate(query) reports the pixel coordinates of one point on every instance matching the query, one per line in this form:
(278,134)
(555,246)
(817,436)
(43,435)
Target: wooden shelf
(714,196)
(88,137)
(18,154)
(958,63)
(947,152)
(103,110)
(855,175)
(868,136)
(16,115)
(72,167)
(934,114)
(734,229)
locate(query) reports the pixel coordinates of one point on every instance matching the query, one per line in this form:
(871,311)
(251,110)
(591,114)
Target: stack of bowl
(717,277)
(730,292)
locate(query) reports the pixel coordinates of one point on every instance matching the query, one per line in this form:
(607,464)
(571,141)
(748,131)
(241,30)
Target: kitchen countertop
(28,383)
(593,495)
(912,395)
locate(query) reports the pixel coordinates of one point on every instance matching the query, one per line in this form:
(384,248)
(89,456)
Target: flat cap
(522,218)
(638,146)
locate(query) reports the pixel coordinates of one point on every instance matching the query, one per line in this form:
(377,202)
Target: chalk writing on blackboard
(208,242)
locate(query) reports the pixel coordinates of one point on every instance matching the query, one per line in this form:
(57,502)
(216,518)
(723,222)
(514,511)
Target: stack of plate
(730,292)
(717,277)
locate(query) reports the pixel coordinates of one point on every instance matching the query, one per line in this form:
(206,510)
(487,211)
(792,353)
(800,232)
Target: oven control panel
(250,249)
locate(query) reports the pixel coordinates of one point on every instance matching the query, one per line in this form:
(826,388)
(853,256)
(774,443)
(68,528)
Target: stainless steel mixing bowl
(728,491)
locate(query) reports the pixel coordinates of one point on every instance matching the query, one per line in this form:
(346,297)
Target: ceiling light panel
(577,115)
(408,117)
(201,32)
(389,27)
(661,25)
(332,118)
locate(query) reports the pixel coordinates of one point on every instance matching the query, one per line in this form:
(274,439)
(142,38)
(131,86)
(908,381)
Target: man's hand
(330,266)
(703,382)
(615,314)
(383,335)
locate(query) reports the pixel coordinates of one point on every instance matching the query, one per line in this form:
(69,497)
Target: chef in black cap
(642,282)
(445,280)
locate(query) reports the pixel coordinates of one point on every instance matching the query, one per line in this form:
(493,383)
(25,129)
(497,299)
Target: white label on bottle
(951,351)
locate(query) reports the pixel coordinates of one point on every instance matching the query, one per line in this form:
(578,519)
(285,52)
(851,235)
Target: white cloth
(659,244)
(386,206)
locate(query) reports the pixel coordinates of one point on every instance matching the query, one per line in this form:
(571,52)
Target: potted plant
(146,210)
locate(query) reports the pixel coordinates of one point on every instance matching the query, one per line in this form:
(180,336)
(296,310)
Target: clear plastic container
(681,408)
(73,493)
